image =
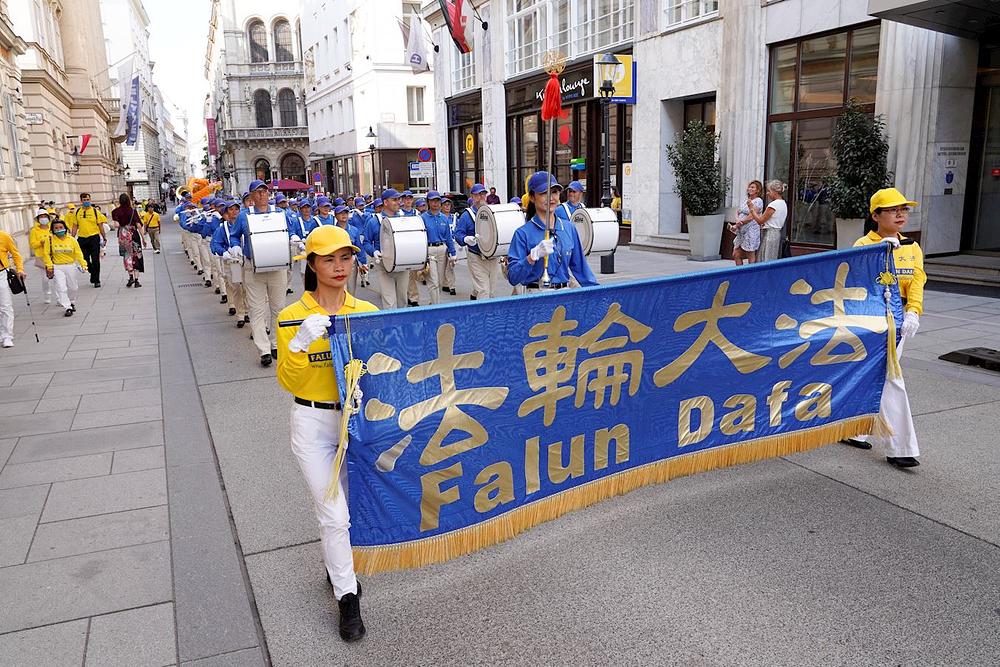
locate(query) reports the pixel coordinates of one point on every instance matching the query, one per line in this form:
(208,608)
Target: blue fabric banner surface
(134,106)
(478,419)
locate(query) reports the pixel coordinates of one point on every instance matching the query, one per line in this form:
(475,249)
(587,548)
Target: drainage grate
(189,285)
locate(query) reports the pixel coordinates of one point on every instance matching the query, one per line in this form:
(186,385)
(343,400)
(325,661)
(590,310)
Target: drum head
(388,244)
(487,233)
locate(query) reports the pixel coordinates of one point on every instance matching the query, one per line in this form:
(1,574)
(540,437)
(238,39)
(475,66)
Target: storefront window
(811,82)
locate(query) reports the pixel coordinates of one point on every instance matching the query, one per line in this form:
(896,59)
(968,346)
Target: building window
(679,12)
(262,170)
(603,23)
(283,52)
(526,34)
(293,167)
(262,108)
(415,104)
(463,76)
(811,80)
(258,42)
(286,108)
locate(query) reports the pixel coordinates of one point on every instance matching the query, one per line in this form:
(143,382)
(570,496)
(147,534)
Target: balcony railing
(250,70)
(244,134)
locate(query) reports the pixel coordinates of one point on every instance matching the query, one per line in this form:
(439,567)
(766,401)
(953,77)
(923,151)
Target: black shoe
(423,282)
(218,290)
(131,281)
(860,444)
(232,311)
(265,360)
(240,324)
(412,304)
(452,291)
(288,290)
(903,461)
(97,284)
(200,272)
(352,628)
(138,284)
(274,353)
(225,299)
(68,313)
(208,283)
(444,289)
(472,298)
(246,318)
(72,307)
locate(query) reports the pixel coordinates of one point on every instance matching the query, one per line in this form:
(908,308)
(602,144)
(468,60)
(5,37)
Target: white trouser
(6,308)
(895,410)
(412,291)
(66,283)
(448,279)
(437,259)
(46,281)
(391,287)
(234,289)
(192,248)
(205,254)
(485,275)
(314,443)
(216,266)
(265,295)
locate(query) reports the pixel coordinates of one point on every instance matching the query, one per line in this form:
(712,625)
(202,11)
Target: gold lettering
(531,466)
(499,486)
(559,473)
(602,442)
(706,415)
(433,497)
(741,419)
(776,399)
(817,401)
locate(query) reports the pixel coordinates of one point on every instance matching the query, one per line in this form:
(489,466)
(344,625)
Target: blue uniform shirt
(439,230)
(466,226)
(568,256)
(209,225)
(566,210)
(221,241)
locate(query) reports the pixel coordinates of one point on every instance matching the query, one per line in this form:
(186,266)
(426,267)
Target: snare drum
(598,230)
(404,243)
(495,227)
(269,241)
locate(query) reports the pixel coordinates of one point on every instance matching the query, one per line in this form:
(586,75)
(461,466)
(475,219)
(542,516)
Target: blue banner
(132,114)
(480,420)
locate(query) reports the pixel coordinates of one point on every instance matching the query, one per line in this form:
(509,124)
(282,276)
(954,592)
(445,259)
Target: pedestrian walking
(87,226)
(151,223)
(746,230)
(65,261)
(305,370)
(493,197)
(10,262)
(771,221)
(130,239)
(38,241)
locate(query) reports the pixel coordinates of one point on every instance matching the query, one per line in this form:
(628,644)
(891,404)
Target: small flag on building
(416,47)
(84,140)
(458,16)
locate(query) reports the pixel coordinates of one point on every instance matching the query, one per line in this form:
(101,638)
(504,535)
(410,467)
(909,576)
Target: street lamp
(607,67)
(371,149)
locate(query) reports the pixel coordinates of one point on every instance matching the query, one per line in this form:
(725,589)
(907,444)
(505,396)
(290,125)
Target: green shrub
(698,174)
(861,150)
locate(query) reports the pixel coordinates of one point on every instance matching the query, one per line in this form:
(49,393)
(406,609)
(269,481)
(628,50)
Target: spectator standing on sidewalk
(771,221)
(130,239)
(10,260)
(747,231)
(493,197)
(151,223)
(87,225)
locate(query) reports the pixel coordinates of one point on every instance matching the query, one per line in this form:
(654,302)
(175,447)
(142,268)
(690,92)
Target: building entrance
(985,233)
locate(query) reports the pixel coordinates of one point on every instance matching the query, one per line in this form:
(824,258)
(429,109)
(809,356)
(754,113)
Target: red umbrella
(288,184)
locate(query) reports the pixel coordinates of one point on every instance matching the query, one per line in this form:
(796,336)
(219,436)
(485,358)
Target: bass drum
(495,227)
(598,230)
(269,241)
(404,243)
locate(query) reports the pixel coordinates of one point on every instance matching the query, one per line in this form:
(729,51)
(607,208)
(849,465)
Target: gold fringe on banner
(440,548)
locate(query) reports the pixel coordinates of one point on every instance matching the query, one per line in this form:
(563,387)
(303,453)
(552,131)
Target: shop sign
(470,143)
(34,118)
(628,193)
(624,80)
(573,86)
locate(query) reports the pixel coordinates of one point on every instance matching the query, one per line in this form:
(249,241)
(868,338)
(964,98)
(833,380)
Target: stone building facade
(18,197)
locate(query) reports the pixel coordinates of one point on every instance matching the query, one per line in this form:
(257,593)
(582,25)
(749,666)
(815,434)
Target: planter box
(705,232)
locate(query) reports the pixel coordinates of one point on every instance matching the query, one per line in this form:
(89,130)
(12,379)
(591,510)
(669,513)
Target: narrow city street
(151,512)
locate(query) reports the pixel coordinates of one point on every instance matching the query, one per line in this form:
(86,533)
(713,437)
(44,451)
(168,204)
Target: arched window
(262,169)
(293,167)
(283,42)
(258,42)
(262,106)
(286,107)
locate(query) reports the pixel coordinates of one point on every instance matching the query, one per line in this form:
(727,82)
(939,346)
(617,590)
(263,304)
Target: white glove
(236,252)
(294,238)
(544,248)
(302,246)
(227,255)
(312,329)
(471,240)
(377,255)
(911,322)
(893,241)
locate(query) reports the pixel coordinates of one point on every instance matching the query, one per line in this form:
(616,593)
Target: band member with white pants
(391,286)
(265,290)
(448,283)
(231,267)
(485,271)
(440,245)
(305,370)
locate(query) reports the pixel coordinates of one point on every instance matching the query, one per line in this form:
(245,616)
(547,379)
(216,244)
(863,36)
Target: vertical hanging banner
(133,117)
(213,139)
(481,420)
(124,84)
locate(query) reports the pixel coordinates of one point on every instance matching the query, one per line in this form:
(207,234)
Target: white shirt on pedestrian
(777,219)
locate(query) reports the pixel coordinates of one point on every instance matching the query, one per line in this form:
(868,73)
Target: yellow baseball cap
(888,198)
(71,206)
(326,240)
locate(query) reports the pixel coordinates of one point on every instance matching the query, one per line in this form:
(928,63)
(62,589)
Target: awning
(973,19)
(289,184)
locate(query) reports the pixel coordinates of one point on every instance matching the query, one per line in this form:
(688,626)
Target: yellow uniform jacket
(309,374)
(38,239)
(8,250)
(65,250)
(150,219)
(910,274)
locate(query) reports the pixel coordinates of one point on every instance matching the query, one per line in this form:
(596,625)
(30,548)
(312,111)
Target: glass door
(987,231)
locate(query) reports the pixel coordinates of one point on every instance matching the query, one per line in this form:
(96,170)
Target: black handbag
(14,281)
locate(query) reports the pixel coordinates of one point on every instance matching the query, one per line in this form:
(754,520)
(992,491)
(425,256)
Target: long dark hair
(309,282)
(124,200)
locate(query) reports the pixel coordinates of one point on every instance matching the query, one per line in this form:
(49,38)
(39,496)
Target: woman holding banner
(305,370)
(546,249)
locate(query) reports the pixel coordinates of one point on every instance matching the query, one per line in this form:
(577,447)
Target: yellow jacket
(910,274)
(9,249)
(85,221)
(65,250)
(150,219)
(309,374)
(38,240)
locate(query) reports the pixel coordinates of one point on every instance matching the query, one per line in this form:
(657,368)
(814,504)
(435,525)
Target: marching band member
(190,221)
(212,225)
(574,200)
(391,286)
(10,260)
(205,231)
(358,213)
(890,210)
(305,370)
(38,241)
(179,213)
(265,291)
(64,253)
(546,245)
(406,203)
(412,294)
(440,246)
(448,284)
(485,272)
(342,215)
(303,223)
(231,266)
(420,204)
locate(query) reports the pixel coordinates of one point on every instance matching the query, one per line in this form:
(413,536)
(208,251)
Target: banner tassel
(353,371)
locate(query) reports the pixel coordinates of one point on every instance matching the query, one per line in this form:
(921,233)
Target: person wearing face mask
(38,241)
(10,260)
(65,260)
(87,225)
(545,252)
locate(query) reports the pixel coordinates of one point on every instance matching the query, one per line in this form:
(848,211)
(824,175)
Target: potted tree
(701,187)
(861,150)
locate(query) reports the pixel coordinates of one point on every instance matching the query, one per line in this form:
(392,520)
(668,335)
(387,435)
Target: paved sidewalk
(151,513)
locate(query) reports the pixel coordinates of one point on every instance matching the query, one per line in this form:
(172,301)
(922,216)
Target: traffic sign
(425,155)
